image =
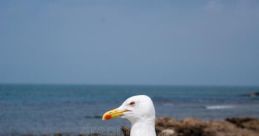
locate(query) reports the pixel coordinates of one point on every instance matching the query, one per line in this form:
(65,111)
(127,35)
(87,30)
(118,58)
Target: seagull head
(135,108)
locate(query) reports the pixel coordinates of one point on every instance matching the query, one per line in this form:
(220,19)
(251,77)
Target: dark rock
(247,123)
(125,131)
(253,94)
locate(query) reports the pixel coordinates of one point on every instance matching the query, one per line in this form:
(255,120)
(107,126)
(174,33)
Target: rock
(166,122)
(166,126)
(192,122)
(190,131)
(253,94)
(224,128)
(167,132)
(125,131)
(247,123)
(196,127)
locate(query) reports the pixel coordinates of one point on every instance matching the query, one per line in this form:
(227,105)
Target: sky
(151,42)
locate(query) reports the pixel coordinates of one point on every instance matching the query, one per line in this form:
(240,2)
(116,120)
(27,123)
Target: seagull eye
(132,103)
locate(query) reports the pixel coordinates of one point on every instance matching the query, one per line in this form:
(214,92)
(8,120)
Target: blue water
(41,109)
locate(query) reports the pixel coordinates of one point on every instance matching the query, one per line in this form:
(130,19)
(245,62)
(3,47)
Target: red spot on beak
(108,116)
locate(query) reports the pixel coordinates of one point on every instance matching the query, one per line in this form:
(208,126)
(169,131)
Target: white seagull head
(136,108)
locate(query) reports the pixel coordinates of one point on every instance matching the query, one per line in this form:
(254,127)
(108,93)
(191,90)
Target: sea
(48,109)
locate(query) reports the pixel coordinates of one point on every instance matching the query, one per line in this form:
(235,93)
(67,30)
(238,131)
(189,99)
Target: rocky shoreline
(166,126)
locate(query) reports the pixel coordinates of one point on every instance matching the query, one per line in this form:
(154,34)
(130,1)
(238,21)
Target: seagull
(140,111)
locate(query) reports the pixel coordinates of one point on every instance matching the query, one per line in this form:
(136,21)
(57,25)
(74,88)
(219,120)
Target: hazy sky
(175,42)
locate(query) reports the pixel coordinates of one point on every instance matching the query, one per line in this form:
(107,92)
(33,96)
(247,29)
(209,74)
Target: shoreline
(168,126)
(234,126)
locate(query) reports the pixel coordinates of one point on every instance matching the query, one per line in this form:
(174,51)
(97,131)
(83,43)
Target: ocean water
(43,109)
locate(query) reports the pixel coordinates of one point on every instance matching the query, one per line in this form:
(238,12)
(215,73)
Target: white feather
(141,115)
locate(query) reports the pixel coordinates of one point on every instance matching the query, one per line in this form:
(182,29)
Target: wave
(218,107)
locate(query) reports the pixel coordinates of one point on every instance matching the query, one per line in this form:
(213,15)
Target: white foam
(217,107)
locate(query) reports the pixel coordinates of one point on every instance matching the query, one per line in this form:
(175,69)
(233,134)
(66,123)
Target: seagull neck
(143,128)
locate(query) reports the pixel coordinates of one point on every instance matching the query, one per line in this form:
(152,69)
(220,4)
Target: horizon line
(106,84)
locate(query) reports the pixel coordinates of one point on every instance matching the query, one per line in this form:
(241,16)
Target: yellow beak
(115,113)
